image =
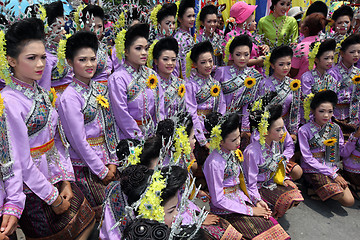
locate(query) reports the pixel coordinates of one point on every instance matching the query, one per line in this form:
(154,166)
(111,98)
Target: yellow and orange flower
(356,79)
(283,138)
(239,155)
(330,142)
(181,90)
(52,96)
(295,84)
(249,82)
(152,81)
(102,101)
(215,90)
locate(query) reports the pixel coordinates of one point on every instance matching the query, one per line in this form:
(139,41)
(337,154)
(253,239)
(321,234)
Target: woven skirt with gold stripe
(223,230)
(324,186)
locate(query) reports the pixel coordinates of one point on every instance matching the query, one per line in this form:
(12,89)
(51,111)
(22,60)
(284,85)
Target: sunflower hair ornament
(312,55)
(120,44)
(307,103)
(263,126)
(153,15)
(295,85)
(267,64)
(227,50)
(189,64)
(4,65)
(215,138)
(61,63)
(150,59)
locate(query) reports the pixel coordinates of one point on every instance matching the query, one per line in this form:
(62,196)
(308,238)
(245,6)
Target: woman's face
(351,55)
(342,25)
(241,56)
(204,64)
(170,209)
(192,139)
(231,141)
(30,64)
(137,53)
(210,23)
(166,62)
(97,26)
(276,130)
(250,23)
(281,7)
(84,64)
(326,60)
(58,29)
(188,19)
(282,66)
(323,113)
(167,26)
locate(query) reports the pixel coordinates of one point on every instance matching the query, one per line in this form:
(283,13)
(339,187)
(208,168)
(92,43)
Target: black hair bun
(141,229)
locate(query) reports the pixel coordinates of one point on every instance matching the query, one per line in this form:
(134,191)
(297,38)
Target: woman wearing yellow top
(277,28)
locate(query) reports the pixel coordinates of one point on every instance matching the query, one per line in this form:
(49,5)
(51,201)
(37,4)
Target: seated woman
(227,186)
(88,121)
(322,144)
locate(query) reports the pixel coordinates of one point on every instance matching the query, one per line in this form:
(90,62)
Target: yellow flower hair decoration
(4,65)
(198,22)
(120,44)
(337,50)
(230,20)
(42,13)
(52,96)
(153,15)
(282,140)
(312,55)
(152,81)
(181,90)
(330,142)
(61,54)
(177,13)
(77,17)
(356,79)
(190,164)
(227,50)
(267,64)
(257,105)
(263,126)
(189,64)
(239,155)
(295,85)
(181,143)
(307,103)
(150,205)
(249,82)
(1,106)
(150,58)
(215,90)
(134,157)
(120,23)
(215,138)
(102,101)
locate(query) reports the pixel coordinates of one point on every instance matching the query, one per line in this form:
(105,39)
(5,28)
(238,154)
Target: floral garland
(61,54)
(2,106)
(307,103)
(267,64)
(312,55)
(152,81)
(189,64)
(134,157)
(120,44)
(52,96)
(263,126)
(153,15)
(150,58)
(182,144)
(102,101)
(42,13)
(150,205)
(198,22)
(77,15)
(4,65)
(215,138)
(177,13)
(227,50)
(257,105)
(120,23)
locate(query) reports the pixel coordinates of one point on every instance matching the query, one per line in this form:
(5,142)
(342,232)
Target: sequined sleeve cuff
(11,209)
(103,173)
(50,199)
(352,138)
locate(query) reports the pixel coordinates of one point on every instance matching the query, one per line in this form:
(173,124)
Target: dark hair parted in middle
(21,33)
(54,10)
(230,125)
(200,48)
(94,11)
(242,40)
(134,32)
(168,43)
(351,40)
(82,39)
(324,97)
(168,9)
(279,52)
(207,10)
(184,5)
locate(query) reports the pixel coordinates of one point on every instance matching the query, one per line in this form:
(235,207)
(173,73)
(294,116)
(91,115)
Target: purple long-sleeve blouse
(312,82)
(200,101)
(89,127)
(237,95)
(222,171)
(174,95)
(351,158)
(186,42)
(133,101)
(35,139)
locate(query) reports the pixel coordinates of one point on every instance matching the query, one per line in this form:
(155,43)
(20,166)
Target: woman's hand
(204,196)
(66,191)
(211,219)
(341,181)
(8,225)
(265,49)
(294,137)
(113,169)
(263,205)
(3,237)
(261,212)
(60,205)
(109,177)
(290,183)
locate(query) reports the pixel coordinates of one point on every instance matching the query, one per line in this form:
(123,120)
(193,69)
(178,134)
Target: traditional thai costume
(104,64)
(351,161)
(136,99)
(186,42)
(231,201)
(91,131)
(174,95)
(320,162)
(264,168)
(36,140)
(217,41)
(348,107)
(312,82)
(289,98)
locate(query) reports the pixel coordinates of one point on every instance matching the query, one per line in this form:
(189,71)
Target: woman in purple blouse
(322,144)
(55,208)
